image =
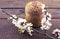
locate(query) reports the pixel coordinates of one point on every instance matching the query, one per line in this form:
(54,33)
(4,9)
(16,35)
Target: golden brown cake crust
(34,15)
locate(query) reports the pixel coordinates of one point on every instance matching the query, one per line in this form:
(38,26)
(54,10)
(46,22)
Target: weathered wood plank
(9,31)
(20,13)
(22,3)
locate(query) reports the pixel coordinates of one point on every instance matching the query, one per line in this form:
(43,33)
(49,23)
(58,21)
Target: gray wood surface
(9,31)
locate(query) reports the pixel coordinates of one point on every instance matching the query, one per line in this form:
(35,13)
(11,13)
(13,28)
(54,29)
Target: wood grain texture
(21,3)
(21,13)
(9,31)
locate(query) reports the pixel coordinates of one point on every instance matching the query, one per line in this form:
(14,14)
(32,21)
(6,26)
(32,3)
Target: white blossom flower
(10,18)
(29,28)
(14,21)
(43,27)
(49,16)
(48,23)
(56,30)
(43,19)
(24,27)
(43,6)
(45,22)
(19,21)
(14,16)
(43,10)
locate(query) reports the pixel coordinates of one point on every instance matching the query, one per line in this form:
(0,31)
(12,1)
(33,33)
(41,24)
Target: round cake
(34,12)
